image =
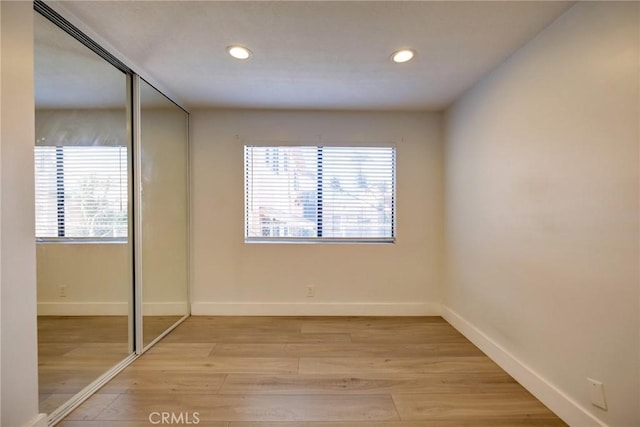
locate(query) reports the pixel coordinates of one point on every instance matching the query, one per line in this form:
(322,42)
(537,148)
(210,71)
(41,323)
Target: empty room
(320,213)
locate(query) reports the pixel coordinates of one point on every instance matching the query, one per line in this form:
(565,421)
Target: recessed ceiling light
(403,55)
(239,52)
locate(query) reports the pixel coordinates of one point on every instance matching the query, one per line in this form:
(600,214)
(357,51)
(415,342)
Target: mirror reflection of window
(81,192)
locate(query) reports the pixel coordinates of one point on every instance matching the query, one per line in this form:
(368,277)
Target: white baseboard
(83,308)
(109,308)
(314,309)
(40,420)
(565,407)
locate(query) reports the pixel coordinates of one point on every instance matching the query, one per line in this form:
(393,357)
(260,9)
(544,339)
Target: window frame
(319,239)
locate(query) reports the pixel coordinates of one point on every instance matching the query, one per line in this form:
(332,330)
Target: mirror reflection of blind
(319,193)
(81,192)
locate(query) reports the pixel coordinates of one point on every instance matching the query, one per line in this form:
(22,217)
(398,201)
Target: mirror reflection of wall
(84,251)
(164,212)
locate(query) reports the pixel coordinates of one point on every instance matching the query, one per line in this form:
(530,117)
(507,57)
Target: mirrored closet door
(83,214)
(112,217)
(163,222)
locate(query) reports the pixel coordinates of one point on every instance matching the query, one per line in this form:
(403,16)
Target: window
(81,192)
(319,193)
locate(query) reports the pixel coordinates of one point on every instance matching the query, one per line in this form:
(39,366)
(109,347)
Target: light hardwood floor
(314,372)
(75,350)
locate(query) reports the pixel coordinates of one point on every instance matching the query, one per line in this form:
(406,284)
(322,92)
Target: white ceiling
(317,54)
(70,75)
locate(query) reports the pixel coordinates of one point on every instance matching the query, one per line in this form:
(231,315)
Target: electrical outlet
(62,291)
(311,291)
(596,391)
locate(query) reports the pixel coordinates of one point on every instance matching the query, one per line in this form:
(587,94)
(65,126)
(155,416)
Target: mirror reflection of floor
(75,350)
(153,326)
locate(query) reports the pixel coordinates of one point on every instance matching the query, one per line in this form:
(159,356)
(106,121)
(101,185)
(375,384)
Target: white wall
(231,277)
(19,382)
(542,207)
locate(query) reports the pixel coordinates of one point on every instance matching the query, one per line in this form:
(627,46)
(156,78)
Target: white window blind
(81,192)
(319,193)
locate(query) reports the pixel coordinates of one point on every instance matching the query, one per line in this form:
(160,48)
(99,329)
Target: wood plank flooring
(75,350)
(314,372)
